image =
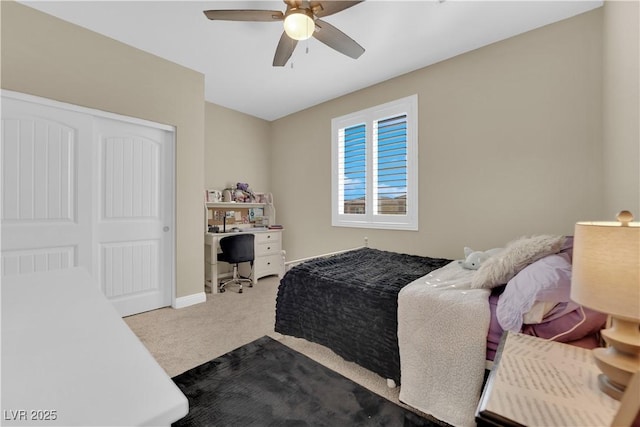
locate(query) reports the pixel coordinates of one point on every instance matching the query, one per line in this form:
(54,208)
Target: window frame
(409,221)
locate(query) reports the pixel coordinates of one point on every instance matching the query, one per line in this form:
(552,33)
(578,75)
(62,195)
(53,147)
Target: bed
(429,324)
(348,303)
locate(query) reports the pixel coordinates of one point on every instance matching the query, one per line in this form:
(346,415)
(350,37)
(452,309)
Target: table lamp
(606,278)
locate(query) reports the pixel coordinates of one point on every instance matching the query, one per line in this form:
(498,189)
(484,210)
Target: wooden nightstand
(535,382)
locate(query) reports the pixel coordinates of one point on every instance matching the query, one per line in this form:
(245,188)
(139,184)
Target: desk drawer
(269,248)
(267,265)
(267,237)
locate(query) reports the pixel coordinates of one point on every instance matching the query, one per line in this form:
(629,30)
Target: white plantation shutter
(374,167)
(353,170)
(390,165)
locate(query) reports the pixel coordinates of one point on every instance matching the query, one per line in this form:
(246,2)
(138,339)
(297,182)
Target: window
(375,167)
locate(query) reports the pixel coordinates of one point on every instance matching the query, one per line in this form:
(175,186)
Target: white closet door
(90,189)
(134,223)
(46,196)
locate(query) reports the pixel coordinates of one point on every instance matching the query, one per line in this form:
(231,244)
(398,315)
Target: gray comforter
(348,303)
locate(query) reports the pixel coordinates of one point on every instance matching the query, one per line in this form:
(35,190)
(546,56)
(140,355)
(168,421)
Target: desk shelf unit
(269,212)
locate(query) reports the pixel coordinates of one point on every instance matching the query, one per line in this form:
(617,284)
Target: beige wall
(510,134)
(47,57)
(621,118)
(509,145)
(236,149)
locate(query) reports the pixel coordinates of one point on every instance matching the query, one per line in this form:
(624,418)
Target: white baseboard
(193,299)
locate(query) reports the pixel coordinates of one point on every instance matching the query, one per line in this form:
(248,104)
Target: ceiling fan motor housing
(299,23)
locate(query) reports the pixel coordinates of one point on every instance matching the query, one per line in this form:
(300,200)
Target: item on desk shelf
(238,196)
(260,197)
(226,195)
(242,193)
(214,196)
(276,227)
(255,213)
(259,221)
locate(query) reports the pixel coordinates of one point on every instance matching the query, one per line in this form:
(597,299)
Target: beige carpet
(181,339)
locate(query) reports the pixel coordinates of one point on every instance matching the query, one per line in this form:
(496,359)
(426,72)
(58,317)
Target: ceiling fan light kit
(301,21)
(298,24)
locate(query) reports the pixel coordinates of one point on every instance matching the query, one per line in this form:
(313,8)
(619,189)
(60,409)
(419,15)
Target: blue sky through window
(355,162)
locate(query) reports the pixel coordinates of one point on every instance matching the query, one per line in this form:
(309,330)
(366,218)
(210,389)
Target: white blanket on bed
(442,333)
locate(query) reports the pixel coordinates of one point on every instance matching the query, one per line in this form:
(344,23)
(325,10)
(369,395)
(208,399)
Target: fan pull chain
(306,51)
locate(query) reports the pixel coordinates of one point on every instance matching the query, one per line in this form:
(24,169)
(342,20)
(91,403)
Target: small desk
(269,256)
(535,382)
(69,359)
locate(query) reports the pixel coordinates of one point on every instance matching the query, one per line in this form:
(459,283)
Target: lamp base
(621,359)
(610,388)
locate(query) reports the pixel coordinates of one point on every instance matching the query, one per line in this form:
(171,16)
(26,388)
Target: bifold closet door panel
(134,225)
(46,198)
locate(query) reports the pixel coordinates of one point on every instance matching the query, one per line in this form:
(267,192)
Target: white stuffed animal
(473,259)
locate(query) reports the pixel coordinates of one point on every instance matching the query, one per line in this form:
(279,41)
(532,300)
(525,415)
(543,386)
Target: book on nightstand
(535,382)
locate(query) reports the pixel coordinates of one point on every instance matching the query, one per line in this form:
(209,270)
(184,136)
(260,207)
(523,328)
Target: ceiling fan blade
(245,15)
(336,39)
(326,8)
(285,48)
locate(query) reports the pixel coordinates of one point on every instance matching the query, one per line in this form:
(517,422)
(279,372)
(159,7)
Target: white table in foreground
(69,359)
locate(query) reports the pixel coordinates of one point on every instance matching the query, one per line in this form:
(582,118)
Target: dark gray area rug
(265,383)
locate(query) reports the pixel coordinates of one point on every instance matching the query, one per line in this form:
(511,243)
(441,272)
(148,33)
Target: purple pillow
(546,280)
(593,322)
(495,331)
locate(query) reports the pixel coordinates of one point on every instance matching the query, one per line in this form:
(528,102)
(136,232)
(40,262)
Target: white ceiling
(236,57)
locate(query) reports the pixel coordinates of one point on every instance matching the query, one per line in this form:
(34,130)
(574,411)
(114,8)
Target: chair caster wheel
(251,285)
(239,291)
(221,290)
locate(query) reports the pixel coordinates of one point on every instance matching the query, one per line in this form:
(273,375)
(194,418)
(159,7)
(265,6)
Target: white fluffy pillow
(499,269)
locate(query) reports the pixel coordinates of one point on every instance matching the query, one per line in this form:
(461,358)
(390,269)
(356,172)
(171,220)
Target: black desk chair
(237,249)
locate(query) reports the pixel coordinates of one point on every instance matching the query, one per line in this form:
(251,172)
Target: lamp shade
(606,267)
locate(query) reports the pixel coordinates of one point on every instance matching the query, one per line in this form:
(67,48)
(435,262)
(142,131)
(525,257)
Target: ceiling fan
(301,21)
